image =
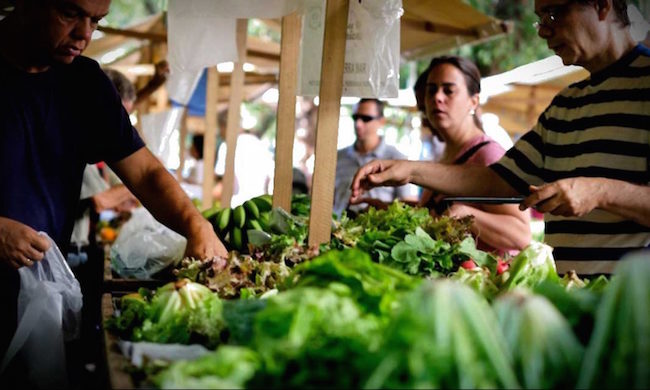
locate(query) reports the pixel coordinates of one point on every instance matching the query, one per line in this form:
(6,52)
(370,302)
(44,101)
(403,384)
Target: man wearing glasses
(368,120)
(586,163)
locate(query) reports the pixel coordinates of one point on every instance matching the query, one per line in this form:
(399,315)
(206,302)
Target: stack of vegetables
(401,237)
(343,320)
(397,299)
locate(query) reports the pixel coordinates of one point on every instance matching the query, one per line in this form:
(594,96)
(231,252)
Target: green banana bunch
(223,221)
(232,224)
(239,216)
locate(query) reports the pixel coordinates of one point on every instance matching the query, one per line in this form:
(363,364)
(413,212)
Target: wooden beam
(331,87)
(152,36)
(289,53)
(234,107)
(438,28)
(210,137)
(181,144)
(250,79)
(262,54)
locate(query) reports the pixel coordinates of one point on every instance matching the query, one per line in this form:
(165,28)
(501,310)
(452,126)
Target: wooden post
(210,135)
(283,179)
(234,107)
(181,144)
(531,118)
(327,128)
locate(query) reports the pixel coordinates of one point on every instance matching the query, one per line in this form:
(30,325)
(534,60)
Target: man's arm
(161,194)
(580,195)
(455,180)
(111,198)
(159,78)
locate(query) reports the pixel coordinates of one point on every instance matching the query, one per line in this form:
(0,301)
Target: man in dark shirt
(59,112)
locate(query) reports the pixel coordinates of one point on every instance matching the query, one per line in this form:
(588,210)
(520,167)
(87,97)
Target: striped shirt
(598,127)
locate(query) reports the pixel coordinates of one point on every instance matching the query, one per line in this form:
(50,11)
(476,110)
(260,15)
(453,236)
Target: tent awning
(432,27)
(520,95)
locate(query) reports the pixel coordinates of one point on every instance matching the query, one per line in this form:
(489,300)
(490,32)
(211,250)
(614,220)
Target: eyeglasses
(551,15)
(364,118)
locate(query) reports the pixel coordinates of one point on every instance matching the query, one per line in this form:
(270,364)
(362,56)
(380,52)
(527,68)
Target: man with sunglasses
(58,112)
(368,119)
(586,163)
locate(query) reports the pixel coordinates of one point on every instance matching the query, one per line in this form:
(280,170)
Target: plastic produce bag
(141,352)
(145,246)
(371,50)
(49,313)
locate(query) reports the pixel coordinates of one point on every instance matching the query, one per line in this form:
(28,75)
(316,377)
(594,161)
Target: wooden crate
(116,362)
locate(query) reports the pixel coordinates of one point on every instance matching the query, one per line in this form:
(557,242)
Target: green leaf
(468,247)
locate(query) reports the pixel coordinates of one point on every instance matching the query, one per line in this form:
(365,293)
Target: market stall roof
(520,95)
(427,28)
(433,27)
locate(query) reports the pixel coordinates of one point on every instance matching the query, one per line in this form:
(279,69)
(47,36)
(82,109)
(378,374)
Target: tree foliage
(520,47)
(124,13)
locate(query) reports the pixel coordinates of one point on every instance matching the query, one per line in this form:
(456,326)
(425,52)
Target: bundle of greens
(576,301)
(406,238)
(179,312)
(618,354)
(230,367)
(241,274)
(530,267)
(300,205)
(375,287)
(479,279)
(444,336)
(545,351)
(314,337)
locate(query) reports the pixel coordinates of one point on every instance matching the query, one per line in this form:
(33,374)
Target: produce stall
(410,303)
(391,299)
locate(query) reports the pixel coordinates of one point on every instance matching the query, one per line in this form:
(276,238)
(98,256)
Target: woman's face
(448,103)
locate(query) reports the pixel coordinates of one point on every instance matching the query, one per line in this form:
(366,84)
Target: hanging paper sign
(371,53)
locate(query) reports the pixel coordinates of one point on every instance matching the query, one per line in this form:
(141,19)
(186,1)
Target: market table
(116,362)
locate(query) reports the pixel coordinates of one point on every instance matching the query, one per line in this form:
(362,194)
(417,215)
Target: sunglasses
(364,118)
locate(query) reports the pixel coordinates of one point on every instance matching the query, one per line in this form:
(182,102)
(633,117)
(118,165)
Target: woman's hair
(470,72)
(124,86)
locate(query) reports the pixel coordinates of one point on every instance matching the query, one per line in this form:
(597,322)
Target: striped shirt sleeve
(522,165)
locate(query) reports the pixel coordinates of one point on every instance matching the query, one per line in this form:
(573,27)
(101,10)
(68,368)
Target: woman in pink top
(451,101)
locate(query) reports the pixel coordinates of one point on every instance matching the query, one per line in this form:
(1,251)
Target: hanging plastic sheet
(202,33)
(160,131)
(371,52)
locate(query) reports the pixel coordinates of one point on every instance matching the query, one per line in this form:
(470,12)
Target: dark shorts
(9,287)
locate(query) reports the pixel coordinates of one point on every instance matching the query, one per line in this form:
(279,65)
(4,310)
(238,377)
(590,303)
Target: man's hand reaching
(379,173)
(20,245)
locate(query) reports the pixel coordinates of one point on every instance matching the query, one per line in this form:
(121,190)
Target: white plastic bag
(145,246)
(371,49)
(140,352)
(49,313)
